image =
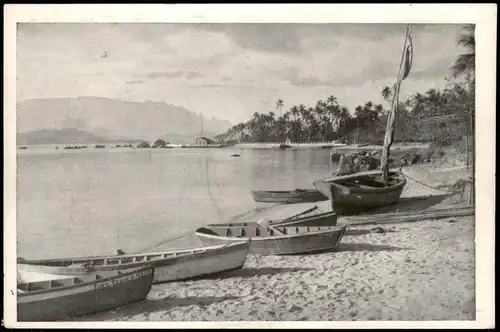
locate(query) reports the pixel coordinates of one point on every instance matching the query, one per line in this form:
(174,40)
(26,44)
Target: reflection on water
(89,202)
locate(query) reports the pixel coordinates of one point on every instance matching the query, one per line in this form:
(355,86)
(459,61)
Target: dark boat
(61,297)
(277,240)
(289,197)
(366,190)
(362,191)
(319,219)
(284,146)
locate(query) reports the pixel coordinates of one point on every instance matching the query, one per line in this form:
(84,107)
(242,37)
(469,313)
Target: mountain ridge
(107,117)
(77,136)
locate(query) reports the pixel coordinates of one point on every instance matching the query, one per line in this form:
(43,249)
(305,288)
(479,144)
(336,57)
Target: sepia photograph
(249,167)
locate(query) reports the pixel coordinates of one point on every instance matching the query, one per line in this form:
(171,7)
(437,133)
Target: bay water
(92,201)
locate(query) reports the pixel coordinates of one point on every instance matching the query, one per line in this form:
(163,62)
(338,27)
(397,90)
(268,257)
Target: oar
(301,213)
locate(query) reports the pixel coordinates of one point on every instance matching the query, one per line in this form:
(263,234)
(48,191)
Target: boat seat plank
(39,285)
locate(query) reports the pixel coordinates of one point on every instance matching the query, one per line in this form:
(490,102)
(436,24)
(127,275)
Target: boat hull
(345,195)
(297,240)
(320,219)
(288,197)
(204,264)
(105,294)
(196,264)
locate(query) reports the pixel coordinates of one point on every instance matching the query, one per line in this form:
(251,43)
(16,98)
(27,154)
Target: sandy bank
(418,271)
(423,270)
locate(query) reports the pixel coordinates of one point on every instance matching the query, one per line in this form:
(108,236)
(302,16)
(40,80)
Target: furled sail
(404,70)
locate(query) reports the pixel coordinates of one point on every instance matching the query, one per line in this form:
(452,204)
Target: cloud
(439,68)
(298,38)
(136,82)
(280,38)
(192,74)
(173,74)
(165,74)
(256,63)
(310,81)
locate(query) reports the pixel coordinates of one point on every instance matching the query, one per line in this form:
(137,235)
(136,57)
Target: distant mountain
(106,117)
(64,136)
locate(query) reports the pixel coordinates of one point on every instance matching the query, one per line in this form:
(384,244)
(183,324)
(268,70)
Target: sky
(229,70)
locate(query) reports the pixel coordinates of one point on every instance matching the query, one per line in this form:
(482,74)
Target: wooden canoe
(289,197)
(320,219)
(169,266)
(277,240)
(362,191)
(61,298)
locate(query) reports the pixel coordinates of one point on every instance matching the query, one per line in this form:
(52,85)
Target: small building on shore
(203,141)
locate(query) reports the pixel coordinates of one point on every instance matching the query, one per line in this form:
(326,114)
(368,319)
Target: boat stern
(324,188)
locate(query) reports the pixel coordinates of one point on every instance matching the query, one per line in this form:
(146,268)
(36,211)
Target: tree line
(328,120)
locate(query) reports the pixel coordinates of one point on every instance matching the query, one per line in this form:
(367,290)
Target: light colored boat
(60,298)
(276,240)
(169,265)
(320,219)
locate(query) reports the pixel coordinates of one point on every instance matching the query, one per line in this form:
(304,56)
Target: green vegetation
(159,143)
(438,116)
(143,145)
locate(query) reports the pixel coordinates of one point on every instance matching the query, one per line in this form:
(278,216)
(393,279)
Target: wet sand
(423,270)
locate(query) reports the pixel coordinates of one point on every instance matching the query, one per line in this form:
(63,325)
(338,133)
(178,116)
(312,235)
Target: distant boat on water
(288,196)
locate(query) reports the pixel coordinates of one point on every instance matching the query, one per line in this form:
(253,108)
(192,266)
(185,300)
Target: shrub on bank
(143,145)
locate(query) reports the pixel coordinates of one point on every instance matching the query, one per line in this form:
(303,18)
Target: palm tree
(387,93)
(279,105)
(343,121)
(466,63)
(379,109)
(433,95)
(294,111)
(332,100)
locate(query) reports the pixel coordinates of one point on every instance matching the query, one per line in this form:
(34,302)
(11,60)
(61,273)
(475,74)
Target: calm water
(90,202)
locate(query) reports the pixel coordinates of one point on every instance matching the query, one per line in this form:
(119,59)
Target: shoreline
(422,270)
(435,257)
(292,146)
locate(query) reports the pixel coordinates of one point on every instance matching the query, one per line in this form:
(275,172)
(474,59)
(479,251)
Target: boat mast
(201,124)
(406,59)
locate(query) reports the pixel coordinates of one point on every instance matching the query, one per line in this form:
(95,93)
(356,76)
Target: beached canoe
(276,240)
(319,219)
(169,265)
(59,298)
(362,191)
(288,197)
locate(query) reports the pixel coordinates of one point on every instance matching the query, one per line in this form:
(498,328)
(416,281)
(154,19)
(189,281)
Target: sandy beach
(417,271)
(413,271)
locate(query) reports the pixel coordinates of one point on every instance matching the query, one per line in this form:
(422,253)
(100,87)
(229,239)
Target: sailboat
(367,190)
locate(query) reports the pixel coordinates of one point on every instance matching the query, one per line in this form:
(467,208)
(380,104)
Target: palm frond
(464,64)
(467,38)
(468,41)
